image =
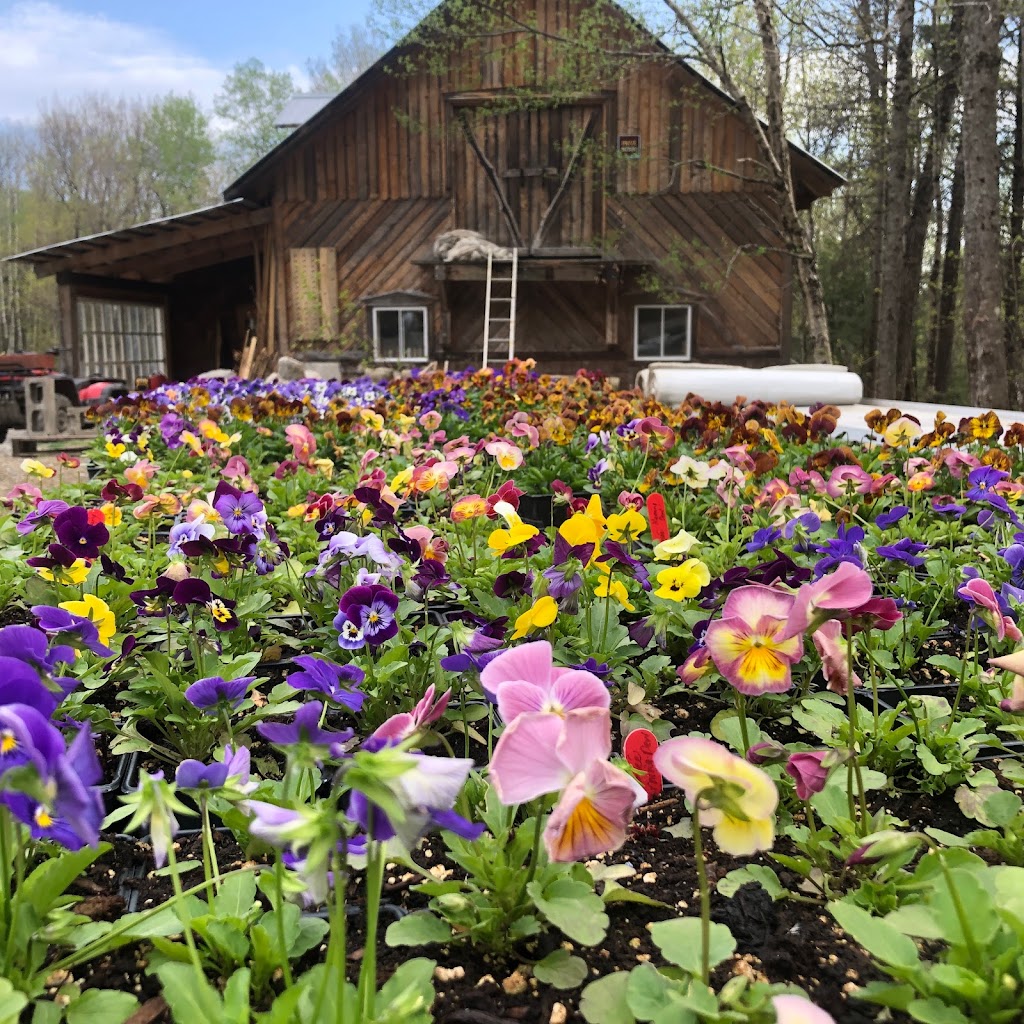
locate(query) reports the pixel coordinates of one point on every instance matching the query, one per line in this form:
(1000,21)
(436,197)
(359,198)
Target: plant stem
(184,915)
(534,855)
(368,969)
(705,897)
(741,707)
(972,634)
(210,867)
(286,967)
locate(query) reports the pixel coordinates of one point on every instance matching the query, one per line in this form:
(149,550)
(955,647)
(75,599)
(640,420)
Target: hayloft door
(530,178)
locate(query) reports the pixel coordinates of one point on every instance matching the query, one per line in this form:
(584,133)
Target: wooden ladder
(501,329)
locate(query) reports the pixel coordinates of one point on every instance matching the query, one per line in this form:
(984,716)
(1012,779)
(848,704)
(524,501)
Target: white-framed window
(126,340)
(400,334)
(662,332)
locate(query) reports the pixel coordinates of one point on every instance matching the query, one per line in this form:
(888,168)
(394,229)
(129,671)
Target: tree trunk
(892,361)
(982,303)
(945,319)
(797,235)
(1014,308)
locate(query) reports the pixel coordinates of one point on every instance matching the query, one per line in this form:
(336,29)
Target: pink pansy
(780,508)
(806,769)
(980,593)
(959,462)
(631,500)
(911,466)
(543,753)
(524,679)
(303,443)
(747,645)
(879,483)
(507,455)
(429,545)
(694,666)
(793,1009)
(19,491)
(234,469)
(737,455)
(730,485)
(773,491)
(846,589)
(430,420)
(803,479)
(401,726)
(832,649)
(519,426)
(846,480)
(368,456)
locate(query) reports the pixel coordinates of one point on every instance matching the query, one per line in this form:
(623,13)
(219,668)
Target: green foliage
(250,100)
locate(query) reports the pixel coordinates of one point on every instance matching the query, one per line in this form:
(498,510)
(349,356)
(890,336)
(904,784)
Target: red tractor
(71,394)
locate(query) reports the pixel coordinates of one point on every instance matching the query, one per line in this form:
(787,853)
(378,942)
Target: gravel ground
(11,472)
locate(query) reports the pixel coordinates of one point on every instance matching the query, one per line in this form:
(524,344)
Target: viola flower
(794,1009)
(60,565)
(844,547)
(303,443)
(305,729)
(675,546)
(886,520)
(504,541)
(405,724)
(508,456)
(543,612)
(156,601)
(369,612)
(807,771)
(608,587)
(30,645)
(49,508)
(844,591)
(626,526)
(682,581)
(990,607)
(762,538)
(240,511)
(196,591)
(542,753)
(510,586)
(695,475)
(33,467)
(233,767)
(60,621)
(635,569)
(470,506)
(78,534)
(833,649)
(737,799)
(210,693)
(96,611)
(747,644)
(901,432)
(28,737)
(525,679)
(904,550)
(324,676)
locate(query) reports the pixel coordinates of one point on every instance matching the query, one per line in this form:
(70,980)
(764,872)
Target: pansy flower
(366,615)
(210,693)
(324,676)
(78,534)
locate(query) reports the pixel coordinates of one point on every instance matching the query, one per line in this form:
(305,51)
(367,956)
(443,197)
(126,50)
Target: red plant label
(657,517)
(639,749)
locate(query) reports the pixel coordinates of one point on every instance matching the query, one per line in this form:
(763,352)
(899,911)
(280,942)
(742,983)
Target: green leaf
(573,907)
(48,882)
(680,941)
(966,984)
(408,994)
(190,997)
(615,893)
(236,895)
(420,928)
(561,970)
(878,937)
(102,1006)
(759,873)
(652,996)
(43,1012)
(935,1011)
(11,1002)
(236,997)
(604,1001)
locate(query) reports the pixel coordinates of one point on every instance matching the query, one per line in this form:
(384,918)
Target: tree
(178,154)
(982,266)
(252,97)
(772,140)
(352,52)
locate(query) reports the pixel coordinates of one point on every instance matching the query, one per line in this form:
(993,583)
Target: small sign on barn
(629,146)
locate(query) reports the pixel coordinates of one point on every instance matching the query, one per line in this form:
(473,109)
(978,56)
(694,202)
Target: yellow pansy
(74,574)
(616,590)
(325,467)
(542,614)
(111,514)
(517,533)
(674,546)
(580,529)
(115,451)
(93,608)
(297,510)
(36,468)
(401,479)
(821,510)
(626,525)
(682,581)
(594,511)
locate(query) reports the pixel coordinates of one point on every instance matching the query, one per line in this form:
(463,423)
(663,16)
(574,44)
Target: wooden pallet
(22,444)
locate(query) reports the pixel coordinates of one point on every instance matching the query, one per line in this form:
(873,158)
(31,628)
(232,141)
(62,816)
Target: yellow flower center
(8,743)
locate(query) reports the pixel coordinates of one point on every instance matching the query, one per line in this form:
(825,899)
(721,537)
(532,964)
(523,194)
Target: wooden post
(69,355)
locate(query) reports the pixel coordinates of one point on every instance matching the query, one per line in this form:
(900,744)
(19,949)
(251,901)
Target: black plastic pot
(113,788)
(540,510)
(93,469)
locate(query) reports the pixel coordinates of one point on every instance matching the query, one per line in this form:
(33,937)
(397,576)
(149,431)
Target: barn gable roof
(825,179)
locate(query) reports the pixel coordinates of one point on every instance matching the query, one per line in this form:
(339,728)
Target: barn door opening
(530,178)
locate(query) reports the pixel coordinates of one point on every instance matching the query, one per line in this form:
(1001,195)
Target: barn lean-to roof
(809,165)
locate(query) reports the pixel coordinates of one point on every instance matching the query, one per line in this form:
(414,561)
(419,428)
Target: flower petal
(525,763)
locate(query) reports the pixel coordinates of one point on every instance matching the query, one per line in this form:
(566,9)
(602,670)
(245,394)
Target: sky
(57,49)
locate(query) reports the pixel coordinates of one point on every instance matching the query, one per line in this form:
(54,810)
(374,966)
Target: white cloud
(48,53)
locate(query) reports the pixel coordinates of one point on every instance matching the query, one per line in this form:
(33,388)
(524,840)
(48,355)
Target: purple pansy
(324,676)
(207,694)
(305,728)
(49,508)
(366,614)
(78,535)
(904,550)
(885,520)
(192,774)
(60,622)
(763,537)
(241,511)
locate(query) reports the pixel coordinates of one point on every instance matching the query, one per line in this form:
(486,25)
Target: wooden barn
(631,199)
